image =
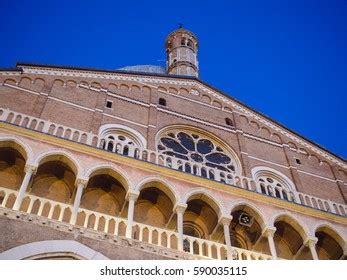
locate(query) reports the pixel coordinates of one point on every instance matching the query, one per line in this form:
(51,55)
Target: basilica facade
(149,162)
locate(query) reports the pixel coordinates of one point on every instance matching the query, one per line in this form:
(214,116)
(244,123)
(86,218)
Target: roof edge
(11,69)
(19,65)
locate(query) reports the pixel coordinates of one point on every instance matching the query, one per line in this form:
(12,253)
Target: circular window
(192,147)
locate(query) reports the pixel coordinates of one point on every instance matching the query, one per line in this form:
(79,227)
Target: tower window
(298,161)
(183,42)
(228,122)
(108,104)
(190,43)
(162,102)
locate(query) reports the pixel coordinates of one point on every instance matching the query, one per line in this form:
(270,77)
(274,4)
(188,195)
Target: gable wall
(80,103)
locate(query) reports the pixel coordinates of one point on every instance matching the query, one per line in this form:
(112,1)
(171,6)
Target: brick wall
(80,103)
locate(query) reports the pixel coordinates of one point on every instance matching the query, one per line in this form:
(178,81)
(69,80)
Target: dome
(155,69)
(181,30)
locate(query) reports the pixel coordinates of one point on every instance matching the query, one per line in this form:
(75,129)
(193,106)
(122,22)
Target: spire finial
(180,25)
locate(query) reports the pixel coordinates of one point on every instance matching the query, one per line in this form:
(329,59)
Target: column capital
(180,207)
(269,231)
(225,220)
(132,195)
(82,181)
(311,240)
(30,168)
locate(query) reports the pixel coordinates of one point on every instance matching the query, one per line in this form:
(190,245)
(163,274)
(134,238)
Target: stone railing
(213,250)
(154,235)
(101,222)
(59,211)
(205,248)
(119,147)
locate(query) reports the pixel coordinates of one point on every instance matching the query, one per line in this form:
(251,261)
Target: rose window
(194,148)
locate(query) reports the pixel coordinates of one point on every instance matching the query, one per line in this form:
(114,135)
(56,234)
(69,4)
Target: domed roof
(183,30)
(145,69)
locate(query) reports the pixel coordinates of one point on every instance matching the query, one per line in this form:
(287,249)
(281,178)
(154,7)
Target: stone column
(269,232)
(29,171)
(225,222)
(80,184)
(180,208)
(344,254)
(131,196)
(311,243)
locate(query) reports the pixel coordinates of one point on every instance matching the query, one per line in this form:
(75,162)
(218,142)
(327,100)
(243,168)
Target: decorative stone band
(155,157)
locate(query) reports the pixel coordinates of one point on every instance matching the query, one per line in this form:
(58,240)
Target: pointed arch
(161,184)
(106,189)
(112,170)
(155,203)
(13,159)
(63,156)
(246,236)
(17,144)
(292,221)
(254,210)
(208,198)
(333,232)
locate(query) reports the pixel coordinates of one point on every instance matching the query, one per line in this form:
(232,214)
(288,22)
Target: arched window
(162,102)
(190,43)
(273,187)
(183,41)
(121,140)
(121,133)
(273,183)
(228,122)
(126,150)
(110,144)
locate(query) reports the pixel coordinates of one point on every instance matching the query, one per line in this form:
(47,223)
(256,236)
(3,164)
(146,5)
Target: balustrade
(59,211)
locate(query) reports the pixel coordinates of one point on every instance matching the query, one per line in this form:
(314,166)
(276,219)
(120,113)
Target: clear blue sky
(286,59)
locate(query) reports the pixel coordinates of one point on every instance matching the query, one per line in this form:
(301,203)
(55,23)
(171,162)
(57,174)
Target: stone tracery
(191,146)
